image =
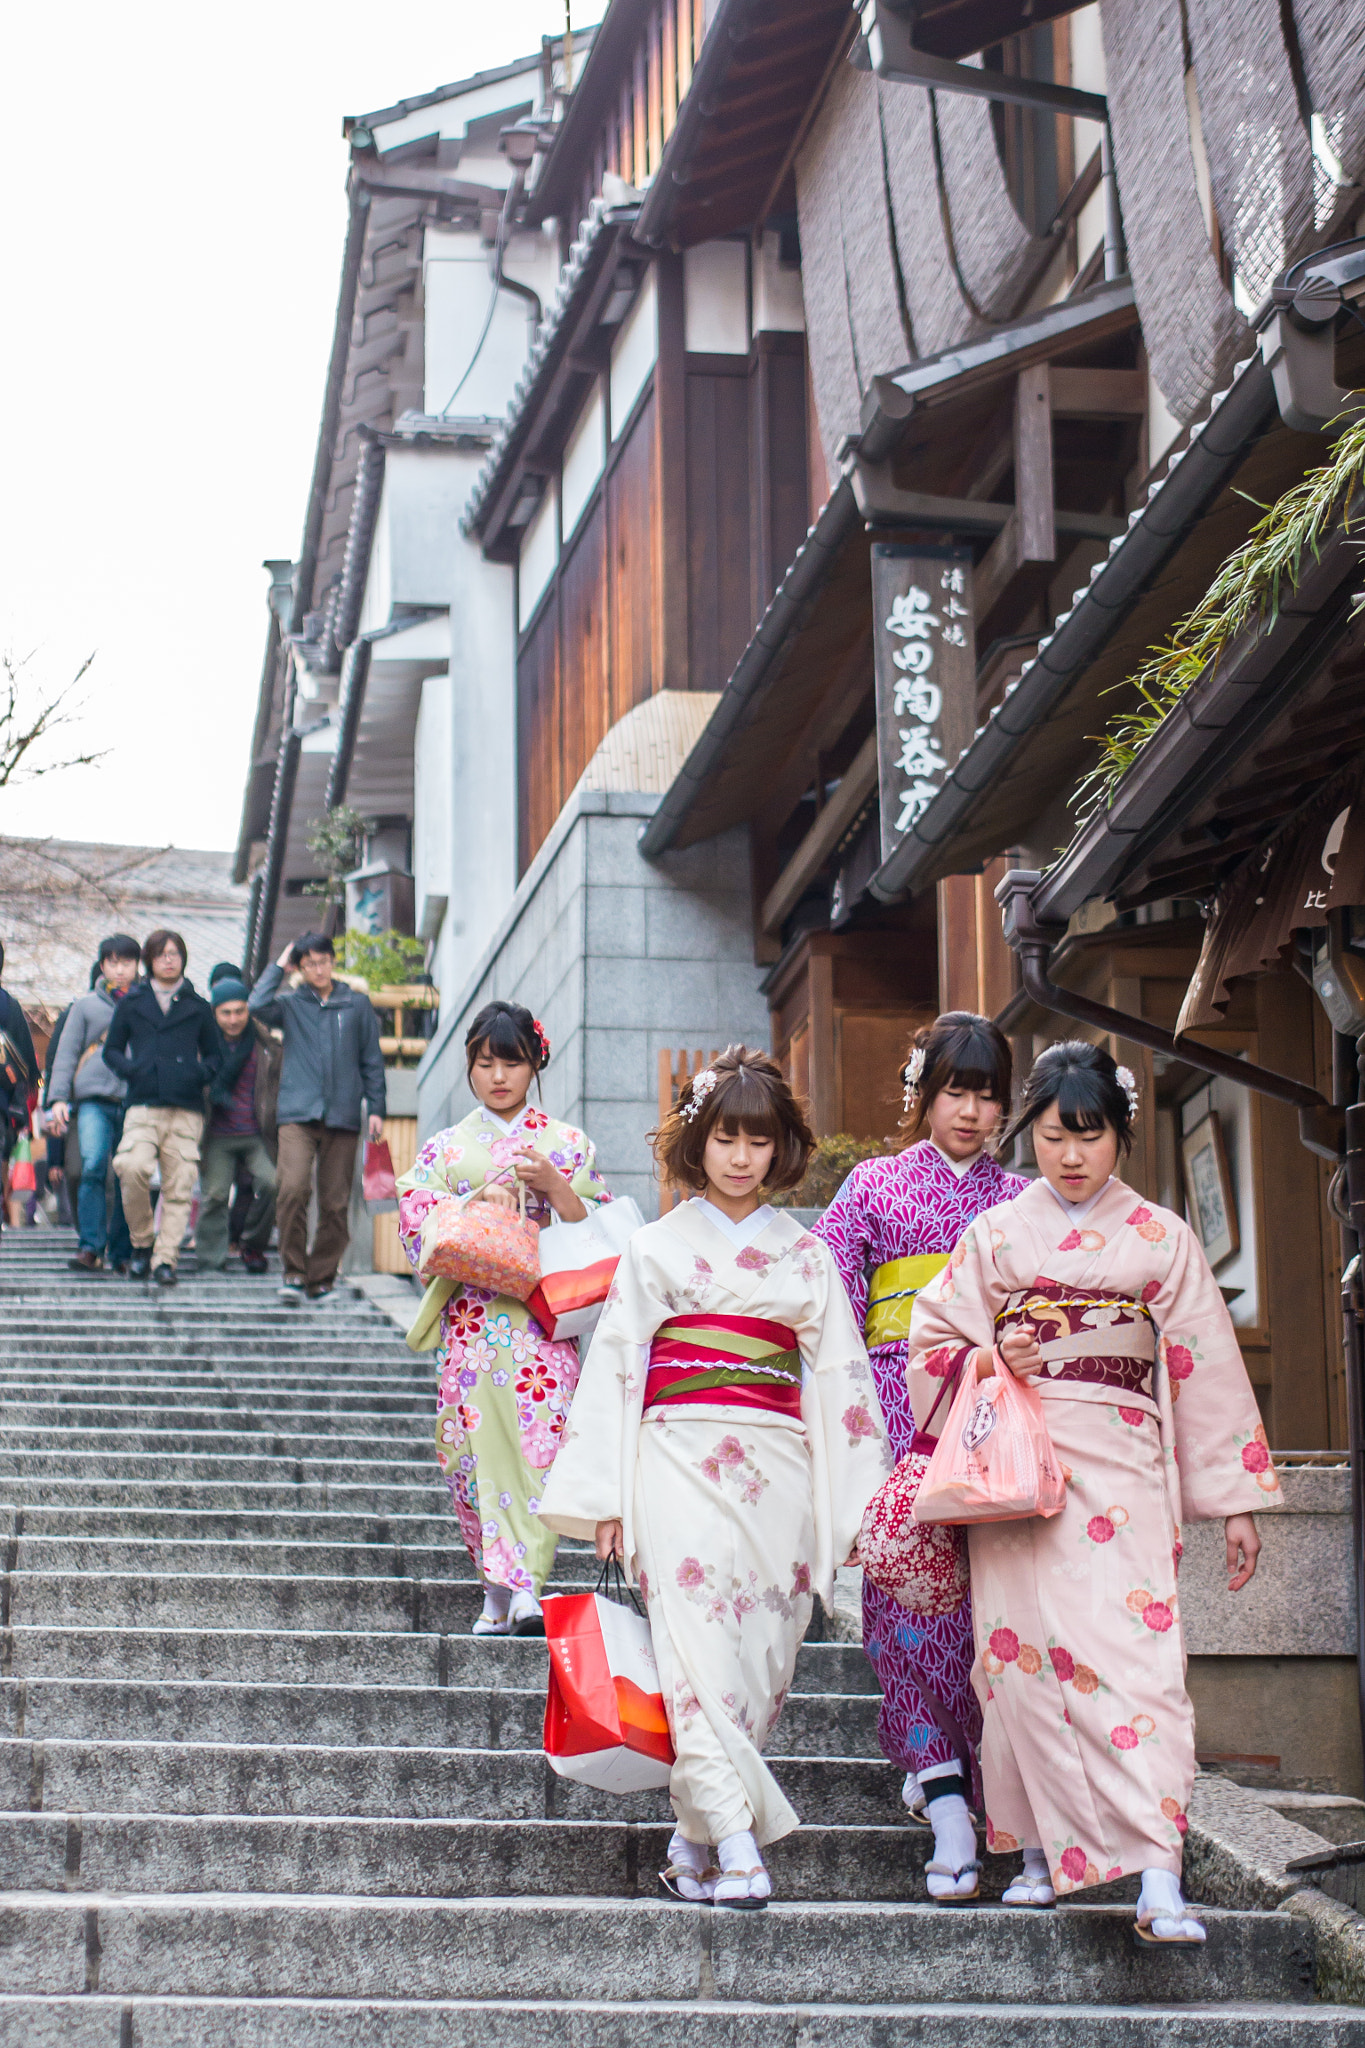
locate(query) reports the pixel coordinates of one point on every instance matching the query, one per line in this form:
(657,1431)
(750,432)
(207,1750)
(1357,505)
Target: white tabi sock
(496,1600)
(954,1835)
(695,1856)
(1161,1899)
(1035,1867)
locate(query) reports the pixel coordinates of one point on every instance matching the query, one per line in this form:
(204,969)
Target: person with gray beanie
(240,1135)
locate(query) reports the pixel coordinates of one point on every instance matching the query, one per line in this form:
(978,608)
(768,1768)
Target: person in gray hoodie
(81,1082)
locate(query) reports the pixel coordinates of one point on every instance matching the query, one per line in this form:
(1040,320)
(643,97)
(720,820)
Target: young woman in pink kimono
(1105,1303)
(724,1441)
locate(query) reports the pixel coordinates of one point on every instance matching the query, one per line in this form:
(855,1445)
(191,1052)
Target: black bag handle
(613,1585)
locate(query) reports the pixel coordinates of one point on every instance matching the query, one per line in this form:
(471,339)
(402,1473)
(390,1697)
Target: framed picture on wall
(1208,1191)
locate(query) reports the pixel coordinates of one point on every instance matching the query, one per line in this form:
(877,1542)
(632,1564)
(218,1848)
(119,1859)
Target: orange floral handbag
(481,1244)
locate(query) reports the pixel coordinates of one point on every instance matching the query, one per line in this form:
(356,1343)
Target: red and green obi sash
(737,1361)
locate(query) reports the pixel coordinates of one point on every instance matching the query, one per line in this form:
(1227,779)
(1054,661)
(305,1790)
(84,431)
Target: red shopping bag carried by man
(378,1182)
(604,1713)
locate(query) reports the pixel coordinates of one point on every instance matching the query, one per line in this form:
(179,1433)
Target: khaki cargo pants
(169,1137)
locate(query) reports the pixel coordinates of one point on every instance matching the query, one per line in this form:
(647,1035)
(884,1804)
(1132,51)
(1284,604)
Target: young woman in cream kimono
(1106,1304)
(724,1440)
(504,1387)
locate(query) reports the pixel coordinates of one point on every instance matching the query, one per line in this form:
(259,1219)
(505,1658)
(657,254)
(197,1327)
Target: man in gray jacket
(332,1065)
(82,1082)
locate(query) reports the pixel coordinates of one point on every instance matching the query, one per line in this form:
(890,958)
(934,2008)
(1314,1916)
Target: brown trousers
(303,1147)
(168,1138)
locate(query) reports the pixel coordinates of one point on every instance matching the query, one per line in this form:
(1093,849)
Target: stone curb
(1235,1855)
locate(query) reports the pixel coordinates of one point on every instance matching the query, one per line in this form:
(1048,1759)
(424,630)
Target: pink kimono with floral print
(1088,1743)
(734,1516)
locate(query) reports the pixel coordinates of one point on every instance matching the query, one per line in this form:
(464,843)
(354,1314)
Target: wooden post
(1034,503)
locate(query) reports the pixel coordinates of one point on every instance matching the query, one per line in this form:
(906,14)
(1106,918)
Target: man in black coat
(165,1045)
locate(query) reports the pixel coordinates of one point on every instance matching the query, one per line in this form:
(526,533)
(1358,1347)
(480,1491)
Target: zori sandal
(1161,1930)
(950,1890)
(750,1890)
(1026,1891)
(692,1887)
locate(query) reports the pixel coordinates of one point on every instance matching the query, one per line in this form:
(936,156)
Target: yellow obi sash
(891,1295)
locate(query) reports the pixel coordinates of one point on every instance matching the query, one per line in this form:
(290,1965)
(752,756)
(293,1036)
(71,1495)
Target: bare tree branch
(23,725)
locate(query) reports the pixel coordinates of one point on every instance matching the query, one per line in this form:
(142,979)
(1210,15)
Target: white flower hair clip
(1127,1081)
(914,1067)
(702,1084)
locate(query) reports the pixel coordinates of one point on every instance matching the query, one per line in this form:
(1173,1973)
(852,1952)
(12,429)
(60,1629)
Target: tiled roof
(575,274)
(59,898)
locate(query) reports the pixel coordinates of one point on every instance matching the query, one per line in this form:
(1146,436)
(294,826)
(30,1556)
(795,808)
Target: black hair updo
(1081,1081)
(510,1032)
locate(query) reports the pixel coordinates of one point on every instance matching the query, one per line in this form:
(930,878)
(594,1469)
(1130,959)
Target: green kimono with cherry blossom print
(1088,1738)
(504,1388)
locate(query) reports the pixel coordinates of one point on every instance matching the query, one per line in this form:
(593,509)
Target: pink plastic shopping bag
(994,1461)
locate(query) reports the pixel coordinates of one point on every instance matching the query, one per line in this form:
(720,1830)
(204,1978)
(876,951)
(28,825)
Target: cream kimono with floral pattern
(504,1386)
(1088,1743)
(734,1516)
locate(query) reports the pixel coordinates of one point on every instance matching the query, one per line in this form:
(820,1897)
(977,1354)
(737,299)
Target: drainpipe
(1114,260)
(1035,943)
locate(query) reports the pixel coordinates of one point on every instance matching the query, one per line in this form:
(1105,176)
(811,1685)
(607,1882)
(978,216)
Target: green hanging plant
(1247,590)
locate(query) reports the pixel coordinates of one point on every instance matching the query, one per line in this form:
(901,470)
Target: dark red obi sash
(736,1361)
(1098,1336)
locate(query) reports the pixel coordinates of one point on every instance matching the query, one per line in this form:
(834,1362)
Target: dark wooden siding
(632,547)
(592,652)
(585,687)
(719,598)
(537,731)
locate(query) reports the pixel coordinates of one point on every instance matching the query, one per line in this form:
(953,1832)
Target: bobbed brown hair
(961,1050)
(751,1094)
(157,944)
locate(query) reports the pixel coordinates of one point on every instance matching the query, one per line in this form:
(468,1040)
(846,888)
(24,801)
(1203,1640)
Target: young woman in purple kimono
(891,1227)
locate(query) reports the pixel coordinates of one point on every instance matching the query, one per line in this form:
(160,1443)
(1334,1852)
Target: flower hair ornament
(914,1067)
(1127,1081)
(542,1041)
(702,1084)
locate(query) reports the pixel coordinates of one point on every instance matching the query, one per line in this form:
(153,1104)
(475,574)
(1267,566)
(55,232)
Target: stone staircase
(260,1787)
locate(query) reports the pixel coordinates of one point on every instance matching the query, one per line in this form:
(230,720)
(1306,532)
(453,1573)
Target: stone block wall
(619,958)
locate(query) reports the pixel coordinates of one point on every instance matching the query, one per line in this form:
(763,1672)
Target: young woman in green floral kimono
(505,1387)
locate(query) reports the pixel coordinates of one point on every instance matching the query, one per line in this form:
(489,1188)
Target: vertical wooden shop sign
(925,658)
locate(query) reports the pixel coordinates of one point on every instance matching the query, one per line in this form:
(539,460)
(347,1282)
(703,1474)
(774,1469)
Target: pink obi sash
(1098,1336)
(737,1361)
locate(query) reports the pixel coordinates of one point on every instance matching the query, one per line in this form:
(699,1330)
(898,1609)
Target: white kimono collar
(740,1234)
(1076,1210)
(959,1168)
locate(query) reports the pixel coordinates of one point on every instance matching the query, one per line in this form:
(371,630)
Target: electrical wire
(499,244)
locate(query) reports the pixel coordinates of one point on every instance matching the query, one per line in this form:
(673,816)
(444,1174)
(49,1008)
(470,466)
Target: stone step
(83,2021)
(20,1403)
(228,1944)
(191,1415)
(200,1557)
(467,1783)
(443,1859)
(190,1600)
(164,1487)
(398,1434)
(320,1657)
(133,1524)
(359,1716)
(280,1467)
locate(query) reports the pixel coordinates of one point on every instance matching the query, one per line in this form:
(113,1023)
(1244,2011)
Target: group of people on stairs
(750,1386)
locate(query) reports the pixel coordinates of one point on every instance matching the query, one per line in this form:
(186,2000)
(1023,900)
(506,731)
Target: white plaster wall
(779,306)
(716,299)
(480,768)
(633,353)
(458,285)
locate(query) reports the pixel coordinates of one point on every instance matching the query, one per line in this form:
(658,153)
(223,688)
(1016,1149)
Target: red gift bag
(379,1184)
(604,1713)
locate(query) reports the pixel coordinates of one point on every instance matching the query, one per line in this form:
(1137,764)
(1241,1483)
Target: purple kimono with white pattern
(905,1207)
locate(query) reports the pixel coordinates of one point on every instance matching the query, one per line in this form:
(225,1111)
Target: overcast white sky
(173,236)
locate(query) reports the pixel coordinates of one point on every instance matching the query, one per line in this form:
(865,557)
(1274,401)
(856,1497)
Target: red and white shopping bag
(604,1713)
(577,1266)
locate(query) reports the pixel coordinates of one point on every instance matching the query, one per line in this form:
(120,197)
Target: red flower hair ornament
(542,1041)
